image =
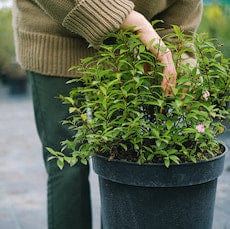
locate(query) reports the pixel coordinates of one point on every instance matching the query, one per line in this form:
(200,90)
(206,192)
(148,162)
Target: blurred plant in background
(10,71)
(6,41)
(215,22)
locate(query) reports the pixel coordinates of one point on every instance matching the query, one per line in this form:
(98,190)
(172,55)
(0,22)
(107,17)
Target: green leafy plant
(6,41)
(125,115)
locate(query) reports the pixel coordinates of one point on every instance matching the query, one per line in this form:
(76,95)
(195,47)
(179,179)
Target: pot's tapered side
(125,206)
(154,197)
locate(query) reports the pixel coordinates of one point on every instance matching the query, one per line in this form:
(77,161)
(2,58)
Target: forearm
(149,36)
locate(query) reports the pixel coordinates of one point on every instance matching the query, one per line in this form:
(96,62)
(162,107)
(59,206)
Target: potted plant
(158,156)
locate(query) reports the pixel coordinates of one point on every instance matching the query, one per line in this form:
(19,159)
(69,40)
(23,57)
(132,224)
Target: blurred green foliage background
(6,41)
(215,21)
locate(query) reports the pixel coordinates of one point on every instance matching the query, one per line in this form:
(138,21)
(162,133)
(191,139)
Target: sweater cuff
(94,19)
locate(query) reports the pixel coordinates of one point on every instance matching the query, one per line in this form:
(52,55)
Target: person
(50,37)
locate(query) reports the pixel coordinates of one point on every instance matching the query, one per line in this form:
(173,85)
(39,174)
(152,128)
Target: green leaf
(55,153)
(124,92)
(84,161)
(154,22)
(103,89)
(136,147)
(160,102)
(174,158)
(169,124)
(100,115)
(51,158)
(67,159)
(84,117)
(155,133)
(72,109)
(104,103)
(178,103)
(177,31)
(123,146)
(150,43)
(73,161)
(175,91)
(69,99)
(141,49)
(113,82)
(193,159)
(167,162)
(60,163)
(158,144)
(150,157)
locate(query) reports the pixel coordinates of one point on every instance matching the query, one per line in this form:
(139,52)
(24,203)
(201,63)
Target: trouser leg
(68,189)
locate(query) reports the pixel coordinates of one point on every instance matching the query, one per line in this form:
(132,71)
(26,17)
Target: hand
(169,71)
(147,33)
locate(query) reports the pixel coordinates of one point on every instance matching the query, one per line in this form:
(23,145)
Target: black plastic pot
(151,196)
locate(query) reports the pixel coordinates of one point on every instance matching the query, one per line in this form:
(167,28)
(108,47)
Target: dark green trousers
(68,189)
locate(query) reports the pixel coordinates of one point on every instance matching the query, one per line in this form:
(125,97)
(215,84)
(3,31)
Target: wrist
(165,56)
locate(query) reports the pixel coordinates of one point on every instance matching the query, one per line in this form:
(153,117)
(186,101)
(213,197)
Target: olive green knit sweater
(53,35)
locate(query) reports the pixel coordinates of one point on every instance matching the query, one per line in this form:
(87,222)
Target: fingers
(185,90)
(168,83)
(169,79)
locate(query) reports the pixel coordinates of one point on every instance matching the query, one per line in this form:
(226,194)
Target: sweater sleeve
(91,19)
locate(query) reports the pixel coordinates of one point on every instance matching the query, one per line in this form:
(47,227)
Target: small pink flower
(200,128)
(205,95)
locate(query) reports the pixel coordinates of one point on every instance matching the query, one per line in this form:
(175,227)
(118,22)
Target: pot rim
(157,174)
